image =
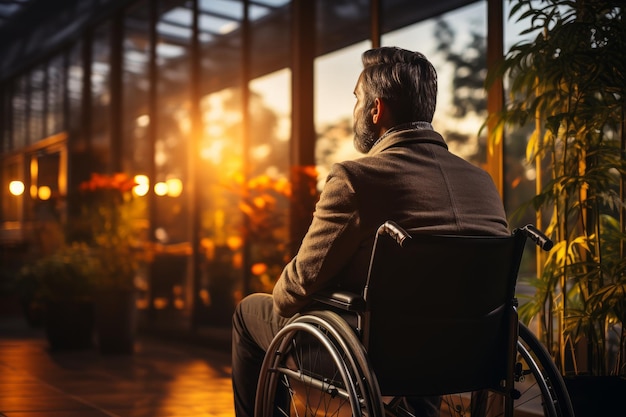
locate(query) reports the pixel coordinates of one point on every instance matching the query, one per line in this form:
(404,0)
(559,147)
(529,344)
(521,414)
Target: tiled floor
(159,379)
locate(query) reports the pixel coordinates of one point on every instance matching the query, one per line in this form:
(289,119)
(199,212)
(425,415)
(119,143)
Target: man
(407,176)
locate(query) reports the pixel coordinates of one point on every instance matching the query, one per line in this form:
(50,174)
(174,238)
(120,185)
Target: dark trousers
(254,326)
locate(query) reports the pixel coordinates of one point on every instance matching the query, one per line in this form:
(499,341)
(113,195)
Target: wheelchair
(437,318)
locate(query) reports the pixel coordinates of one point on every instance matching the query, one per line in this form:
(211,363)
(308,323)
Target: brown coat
(410,177)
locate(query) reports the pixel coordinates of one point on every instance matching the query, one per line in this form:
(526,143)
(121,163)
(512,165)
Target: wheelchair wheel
(317,367)
(541,389)
(549,372)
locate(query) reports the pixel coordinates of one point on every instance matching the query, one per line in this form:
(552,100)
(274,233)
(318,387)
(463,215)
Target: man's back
(412,179)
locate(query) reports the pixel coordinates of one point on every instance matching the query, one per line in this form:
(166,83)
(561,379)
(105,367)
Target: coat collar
(406,136)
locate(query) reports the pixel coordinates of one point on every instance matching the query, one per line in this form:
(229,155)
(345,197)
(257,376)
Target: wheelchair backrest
(441,313)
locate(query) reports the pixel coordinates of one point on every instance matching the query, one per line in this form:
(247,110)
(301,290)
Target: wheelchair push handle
(543,241)
(396,232)
(392,229)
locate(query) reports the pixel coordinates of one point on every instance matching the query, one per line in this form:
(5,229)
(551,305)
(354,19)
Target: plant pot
(69,324)
(594,396)
(116,321)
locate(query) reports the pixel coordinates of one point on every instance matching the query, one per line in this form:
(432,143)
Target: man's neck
(405,126)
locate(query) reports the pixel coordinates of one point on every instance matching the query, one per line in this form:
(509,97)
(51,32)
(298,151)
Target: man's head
(396,86)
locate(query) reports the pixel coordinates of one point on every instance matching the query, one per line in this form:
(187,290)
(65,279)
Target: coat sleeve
(329,244)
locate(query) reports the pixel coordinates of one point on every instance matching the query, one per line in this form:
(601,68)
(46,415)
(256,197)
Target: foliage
(264,203)
(108,218)
(62,276)
(570,81)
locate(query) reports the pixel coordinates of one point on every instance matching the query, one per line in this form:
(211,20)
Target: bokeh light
(16,188)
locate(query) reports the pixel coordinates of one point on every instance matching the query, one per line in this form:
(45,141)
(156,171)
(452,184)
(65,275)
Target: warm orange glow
(143,120)
(117,181)
(160,188)
(259,202)
(205,297)
(143,185)
(161,234)
(209,247)
(237,260)
(261,181)
(34,168)
(213,152)
(234,242)
(44,193)
(141,190)
(192,396)
(283,186)
(261,152)
(16,188)
(160,303)
(174,187)
(258,268)
(238,177)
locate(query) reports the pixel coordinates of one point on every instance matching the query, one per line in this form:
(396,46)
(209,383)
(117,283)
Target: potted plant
(62,284)
(569,80)
(108,225)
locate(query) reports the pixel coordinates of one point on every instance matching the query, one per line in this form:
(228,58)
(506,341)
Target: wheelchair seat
(437,316)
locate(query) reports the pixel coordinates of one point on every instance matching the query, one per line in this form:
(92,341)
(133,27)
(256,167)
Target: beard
(364,134)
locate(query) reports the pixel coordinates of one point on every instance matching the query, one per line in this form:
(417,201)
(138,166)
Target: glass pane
(221,165)
(223,185)
(13,190)
(173,125)
(74,93)
(45,200)
(48,175)
(244,173)
(136,152)
(101,96)
(137,155)
(6,115)
(225,8)
(336,76)
(336,72)
(56,96)
(456,44)
(37,103)
(269,145)
(267,199)
(20,112)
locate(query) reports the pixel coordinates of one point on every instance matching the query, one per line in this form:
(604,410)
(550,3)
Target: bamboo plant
(568,79)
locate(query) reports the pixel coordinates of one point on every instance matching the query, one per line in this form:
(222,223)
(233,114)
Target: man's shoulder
(356,166)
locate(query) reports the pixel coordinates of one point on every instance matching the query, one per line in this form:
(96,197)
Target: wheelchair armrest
(343,300)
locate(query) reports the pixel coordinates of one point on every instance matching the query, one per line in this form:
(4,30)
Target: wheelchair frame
(318,365)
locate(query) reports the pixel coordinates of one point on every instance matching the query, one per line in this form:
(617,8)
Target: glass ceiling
(9,9)
(30,29)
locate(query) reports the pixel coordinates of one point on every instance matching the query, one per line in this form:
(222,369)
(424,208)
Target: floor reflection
(159,379)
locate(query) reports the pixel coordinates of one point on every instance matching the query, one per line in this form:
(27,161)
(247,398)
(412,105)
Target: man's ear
(378,110)
(381,114)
